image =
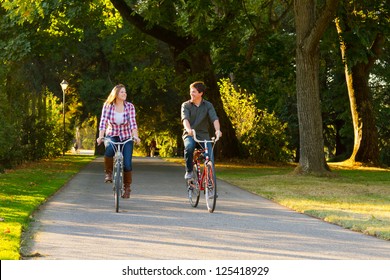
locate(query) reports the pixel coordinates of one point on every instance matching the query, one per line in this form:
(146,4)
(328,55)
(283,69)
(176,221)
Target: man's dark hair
(199,85)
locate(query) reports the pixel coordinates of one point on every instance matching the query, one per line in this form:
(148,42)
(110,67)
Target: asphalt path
(158,223)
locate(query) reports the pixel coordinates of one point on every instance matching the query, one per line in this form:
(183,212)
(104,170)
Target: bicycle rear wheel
(193,188)
(210,187)
(117,185)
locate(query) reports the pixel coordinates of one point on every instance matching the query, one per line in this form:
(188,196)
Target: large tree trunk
(312,157)
(309,30)
(365,148)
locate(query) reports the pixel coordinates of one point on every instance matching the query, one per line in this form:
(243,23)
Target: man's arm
(217,128)
(187,127)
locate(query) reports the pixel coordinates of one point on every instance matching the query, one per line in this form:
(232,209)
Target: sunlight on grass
(23,189)
(354,198)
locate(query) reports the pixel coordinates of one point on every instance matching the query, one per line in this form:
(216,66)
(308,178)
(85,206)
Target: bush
(261,134)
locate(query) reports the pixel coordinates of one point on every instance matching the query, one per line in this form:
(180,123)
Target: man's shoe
(188,175)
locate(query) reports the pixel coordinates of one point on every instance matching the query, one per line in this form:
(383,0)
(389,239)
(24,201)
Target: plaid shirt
(107,121)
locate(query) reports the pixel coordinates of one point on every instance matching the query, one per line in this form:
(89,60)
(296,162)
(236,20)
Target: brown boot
(108,166)
(127,180)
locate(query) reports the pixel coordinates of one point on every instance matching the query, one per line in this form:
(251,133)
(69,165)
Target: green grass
(24,189)
(354,198)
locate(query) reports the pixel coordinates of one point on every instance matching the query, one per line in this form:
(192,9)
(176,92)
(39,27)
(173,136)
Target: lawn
(354,198)
(24,189)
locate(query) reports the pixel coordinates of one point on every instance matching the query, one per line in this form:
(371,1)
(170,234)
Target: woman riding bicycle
(119,123)
(196,114)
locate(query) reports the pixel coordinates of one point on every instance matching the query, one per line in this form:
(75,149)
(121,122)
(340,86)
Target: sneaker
(188,175)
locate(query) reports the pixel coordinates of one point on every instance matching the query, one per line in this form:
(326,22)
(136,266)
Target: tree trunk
(309,30)
(365,148)
(312,157)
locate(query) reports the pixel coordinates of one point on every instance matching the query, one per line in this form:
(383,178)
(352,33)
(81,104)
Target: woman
(118,122)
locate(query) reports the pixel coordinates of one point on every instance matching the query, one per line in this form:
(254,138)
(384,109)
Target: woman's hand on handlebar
(136,140)
(99,140)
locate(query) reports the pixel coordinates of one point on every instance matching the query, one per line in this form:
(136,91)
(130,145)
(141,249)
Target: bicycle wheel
(210,187)
(117,185)
(193,188)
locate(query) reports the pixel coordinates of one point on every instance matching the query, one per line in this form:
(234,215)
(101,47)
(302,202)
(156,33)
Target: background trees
(157,48)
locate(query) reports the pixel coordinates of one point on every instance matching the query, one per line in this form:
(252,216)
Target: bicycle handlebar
(213,139)
(108,140)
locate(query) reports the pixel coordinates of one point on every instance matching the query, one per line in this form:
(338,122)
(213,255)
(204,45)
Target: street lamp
(64,85)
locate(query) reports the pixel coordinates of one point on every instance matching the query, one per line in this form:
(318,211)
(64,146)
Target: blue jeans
(127,153)
(189,147)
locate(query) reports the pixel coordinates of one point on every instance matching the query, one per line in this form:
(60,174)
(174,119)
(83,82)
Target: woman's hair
(114,93)
(199,85)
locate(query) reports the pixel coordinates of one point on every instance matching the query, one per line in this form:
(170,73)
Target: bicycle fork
(119,169)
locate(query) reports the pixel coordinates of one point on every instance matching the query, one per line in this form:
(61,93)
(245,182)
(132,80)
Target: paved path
(79,223)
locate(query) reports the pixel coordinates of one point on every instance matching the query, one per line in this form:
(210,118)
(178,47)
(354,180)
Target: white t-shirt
(119,117)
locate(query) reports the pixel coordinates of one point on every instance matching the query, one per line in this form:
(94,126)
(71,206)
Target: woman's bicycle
(117,172)
(204,178)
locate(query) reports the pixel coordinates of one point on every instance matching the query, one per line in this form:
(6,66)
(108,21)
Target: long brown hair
(114,93)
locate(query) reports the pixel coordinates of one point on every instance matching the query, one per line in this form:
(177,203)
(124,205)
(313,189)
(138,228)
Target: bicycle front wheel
(193,188)
(210,187)
(117,185)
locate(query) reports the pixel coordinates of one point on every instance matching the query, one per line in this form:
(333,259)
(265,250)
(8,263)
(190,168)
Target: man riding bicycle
(196,114)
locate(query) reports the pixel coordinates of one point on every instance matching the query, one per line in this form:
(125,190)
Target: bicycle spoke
(210,187)
(117,185)
(193,188)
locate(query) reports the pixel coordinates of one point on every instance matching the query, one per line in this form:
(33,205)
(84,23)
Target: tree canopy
(157,48)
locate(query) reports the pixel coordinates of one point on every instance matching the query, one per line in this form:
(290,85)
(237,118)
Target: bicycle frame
(205,177)
(201,171)
(117,168)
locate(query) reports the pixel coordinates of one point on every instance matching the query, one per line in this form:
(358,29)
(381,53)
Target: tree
(361,28)
(309,30)
(190,43)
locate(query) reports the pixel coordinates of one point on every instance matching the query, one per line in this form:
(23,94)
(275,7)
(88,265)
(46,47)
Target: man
(196,114)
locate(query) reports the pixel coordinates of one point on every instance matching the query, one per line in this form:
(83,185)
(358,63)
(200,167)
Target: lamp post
(64,85)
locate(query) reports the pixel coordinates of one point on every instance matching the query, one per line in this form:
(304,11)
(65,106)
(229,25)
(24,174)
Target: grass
(356,198)
(24,189)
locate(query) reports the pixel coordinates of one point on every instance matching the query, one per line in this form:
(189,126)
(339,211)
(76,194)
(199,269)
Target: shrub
(261,134)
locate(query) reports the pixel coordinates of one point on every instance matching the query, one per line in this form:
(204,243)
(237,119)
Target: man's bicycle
(117,172)
(204,178)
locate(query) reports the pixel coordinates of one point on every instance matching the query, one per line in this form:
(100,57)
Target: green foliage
(268,140)
(262,135)
(240,106)
(89,44)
